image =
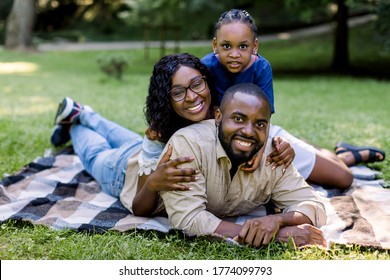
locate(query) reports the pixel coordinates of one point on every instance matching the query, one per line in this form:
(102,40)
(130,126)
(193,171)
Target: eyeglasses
(196,86)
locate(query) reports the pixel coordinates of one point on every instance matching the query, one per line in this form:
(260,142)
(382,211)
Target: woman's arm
(166,177)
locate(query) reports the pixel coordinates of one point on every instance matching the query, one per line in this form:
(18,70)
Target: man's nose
(248,130)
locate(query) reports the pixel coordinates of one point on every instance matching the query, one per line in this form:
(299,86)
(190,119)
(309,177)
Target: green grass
(322,108)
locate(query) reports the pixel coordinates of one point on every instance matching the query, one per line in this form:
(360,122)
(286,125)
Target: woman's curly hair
(159,113)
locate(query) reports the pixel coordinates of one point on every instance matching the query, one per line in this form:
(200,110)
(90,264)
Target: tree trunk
(20,23)
(340,49)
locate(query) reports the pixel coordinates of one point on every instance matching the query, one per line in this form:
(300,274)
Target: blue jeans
(104,148)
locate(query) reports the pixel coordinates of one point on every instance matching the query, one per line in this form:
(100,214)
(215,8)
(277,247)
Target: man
(220,148)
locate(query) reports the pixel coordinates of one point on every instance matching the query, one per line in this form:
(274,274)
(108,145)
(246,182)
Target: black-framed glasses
(196,86)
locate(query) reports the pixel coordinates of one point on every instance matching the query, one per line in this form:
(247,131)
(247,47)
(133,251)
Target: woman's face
(195,106)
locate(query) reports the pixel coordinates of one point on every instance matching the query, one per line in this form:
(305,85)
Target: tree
(340,61)
(20,24)
(383,27)
(307,10)
(167,16)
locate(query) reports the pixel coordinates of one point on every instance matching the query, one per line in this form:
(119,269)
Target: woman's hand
(283,153)
(168,175)
(152,134)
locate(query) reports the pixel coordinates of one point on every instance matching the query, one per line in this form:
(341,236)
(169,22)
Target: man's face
(243,126)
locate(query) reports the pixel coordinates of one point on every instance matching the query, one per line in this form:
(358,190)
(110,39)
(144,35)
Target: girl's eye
(243,47)
(226,46)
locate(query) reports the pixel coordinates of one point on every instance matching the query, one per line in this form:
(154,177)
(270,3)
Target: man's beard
(237,158)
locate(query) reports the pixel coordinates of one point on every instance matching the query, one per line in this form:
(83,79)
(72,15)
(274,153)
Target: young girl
(235,60)
(179,94)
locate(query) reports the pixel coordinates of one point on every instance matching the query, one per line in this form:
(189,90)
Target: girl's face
(195,106)
(234,45)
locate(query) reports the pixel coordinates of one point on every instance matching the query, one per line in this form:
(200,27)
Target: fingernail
(284,170)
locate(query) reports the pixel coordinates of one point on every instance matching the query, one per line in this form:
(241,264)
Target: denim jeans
(104,148)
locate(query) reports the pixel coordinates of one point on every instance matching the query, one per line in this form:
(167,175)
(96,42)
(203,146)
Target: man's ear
(214,45)
(218,116)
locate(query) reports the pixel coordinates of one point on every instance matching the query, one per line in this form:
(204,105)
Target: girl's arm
(282,154)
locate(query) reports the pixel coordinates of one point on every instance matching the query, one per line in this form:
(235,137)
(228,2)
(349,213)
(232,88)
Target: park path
(124,45)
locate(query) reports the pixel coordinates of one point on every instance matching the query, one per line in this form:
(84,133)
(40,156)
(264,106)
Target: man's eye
(237,119)
(261,125)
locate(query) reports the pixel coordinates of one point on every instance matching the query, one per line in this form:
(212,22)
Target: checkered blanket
(57,192)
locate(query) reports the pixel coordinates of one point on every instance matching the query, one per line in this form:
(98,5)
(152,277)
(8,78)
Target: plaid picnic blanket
(56,191)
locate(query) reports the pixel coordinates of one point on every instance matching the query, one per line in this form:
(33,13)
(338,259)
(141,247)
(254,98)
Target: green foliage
(113,65)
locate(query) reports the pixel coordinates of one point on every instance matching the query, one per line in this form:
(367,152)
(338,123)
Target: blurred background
(25,24)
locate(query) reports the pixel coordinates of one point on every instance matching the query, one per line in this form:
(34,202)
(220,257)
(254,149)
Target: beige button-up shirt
(215,195)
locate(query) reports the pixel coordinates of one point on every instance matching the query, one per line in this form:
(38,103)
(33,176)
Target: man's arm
(261,231)
(228,229)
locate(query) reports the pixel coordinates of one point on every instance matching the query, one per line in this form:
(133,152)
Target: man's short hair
(245,88)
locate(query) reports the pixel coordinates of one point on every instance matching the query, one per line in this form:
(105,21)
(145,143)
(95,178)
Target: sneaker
(60,135)
(68,112)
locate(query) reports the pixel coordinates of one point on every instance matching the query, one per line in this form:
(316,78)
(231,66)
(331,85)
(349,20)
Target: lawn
(322,108)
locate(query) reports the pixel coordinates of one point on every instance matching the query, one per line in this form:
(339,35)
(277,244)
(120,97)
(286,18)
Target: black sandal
(355,152)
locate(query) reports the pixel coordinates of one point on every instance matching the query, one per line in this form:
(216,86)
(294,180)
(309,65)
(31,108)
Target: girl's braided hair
(159,113)
(236,15)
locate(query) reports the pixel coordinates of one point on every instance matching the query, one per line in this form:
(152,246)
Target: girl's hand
(167,175)
(252,164)
(283,153)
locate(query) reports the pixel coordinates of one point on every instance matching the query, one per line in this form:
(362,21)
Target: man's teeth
(195,107)
(243,143)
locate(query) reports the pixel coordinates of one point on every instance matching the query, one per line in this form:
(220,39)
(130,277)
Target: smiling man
(220,148)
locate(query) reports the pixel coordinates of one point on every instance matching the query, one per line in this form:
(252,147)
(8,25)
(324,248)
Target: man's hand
(283,153)
(167,175)
(302,235)
(259,231)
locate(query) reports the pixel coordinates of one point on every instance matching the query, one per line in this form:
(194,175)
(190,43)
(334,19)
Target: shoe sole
(64,109)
